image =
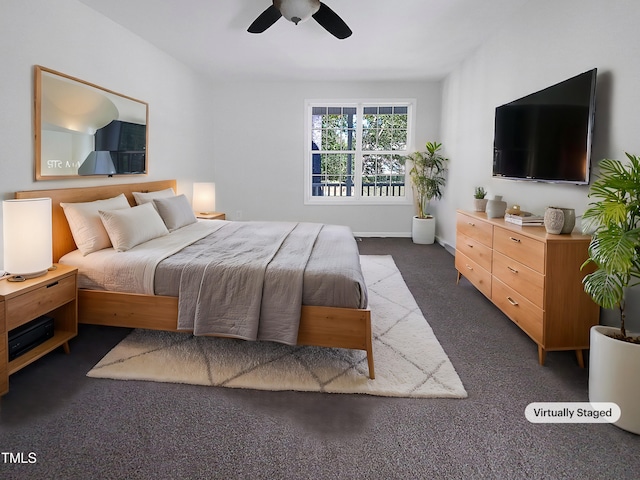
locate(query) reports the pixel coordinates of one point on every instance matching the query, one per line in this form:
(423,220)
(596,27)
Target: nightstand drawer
(34,303)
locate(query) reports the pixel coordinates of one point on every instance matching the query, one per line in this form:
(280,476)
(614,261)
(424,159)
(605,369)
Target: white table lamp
(27,237)
(204,198)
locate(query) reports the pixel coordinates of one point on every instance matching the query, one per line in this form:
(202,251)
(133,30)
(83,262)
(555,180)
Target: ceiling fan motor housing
(297,11)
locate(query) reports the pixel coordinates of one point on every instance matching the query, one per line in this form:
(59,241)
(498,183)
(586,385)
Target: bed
(319,325)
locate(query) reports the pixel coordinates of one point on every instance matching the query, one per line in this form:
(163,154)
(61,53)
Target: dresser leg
(65,347)
(541,354)
(580,358)
(458,279)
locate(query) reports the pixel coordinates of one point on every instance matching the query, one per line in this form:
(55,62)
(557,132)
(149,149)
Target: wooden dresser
(532,276)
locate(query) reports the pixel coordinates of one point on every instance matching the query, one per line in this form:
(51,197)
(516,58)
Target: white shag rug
(409,361)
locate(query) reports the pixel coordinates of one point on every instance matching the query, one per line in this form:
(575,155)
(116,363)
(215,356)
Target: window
(355,152)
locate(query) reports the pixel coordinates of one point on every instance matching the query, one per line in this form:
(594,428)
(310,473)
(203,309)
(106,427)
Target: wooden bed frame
(319,326)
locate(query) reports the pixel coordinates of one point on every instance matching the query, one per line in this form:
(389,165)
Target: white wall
(245,137)
(547,42)
(259,151)
(67,36)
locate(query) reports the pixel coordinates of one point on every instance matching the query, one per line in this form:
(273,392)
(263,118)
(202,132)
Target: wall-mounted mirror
(83,129)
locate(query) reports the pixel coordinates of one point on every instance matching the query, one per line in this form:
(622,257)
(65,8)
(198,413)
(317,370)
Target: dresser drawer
(523,249)
(34,303)
(476,229)
(478,276)
(521,278)
(476,251)
(524,313)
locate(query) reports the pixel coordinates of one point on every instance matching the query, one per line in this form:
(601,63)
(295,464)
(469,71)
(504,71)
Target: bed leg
(372,373)
(369,344)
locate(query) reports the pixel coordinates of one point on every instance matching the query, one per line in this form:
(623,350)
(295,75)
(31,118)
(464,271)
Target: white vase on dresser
(496,207)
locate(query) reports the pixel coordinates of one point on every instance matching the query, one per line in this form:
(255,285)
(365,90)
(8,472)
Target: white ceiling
(392,39)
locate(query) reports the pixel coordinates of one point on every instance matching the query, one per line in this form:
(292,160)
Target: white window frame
(357,199)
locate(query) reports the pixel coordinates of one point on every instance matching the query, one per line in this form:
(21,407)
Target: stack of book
(524,220)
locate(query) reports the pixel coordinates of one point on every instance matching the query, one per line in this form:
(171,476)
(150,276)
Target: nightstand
(211,216)
(55,295)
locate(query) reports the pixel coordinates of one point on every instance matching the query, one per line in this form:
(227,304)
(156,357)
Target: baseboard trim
(382,234)
(448,247)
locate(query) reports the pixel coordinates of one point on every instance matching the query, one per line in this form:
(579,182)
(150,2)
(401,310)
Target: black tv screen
(546,136)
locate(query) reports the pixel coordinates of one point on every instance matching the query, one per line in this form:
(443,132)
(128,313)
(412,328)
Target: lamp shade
(26,232)
(97,163)
(204,197)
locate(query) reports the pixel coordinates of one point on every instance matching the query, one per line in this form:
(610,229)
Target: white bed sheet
(133,271)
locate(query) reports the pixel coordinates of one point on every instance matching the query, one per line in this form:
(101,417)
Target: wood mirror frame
(73,118)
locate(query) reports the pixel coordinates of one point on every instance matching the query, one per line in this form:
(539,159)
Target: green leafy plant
(480,193)
(614,222)
(427,173)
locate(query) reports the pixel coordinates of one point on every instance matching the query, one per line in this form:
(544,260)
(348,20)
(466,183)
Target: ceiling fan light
(298,11)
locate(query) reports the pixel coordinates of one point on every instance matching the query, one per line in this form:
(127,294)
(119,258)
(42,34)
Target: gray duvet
(248,280)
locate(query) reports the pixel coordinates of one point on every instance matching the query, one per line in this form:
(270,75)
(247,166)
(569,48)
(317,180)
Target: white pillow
(128,228)
(148,197)
(175,211)
(85,224)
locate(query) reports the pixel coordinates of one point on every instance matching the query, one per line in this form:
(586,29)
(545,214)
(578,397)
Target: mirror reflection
(84,129)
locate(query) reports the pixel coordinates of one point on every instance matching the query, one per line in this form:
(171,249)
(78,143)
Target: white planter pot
(423,230)
(613,375)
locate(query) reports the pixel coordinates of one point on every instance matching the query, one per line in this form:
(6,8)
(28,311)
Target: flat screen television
(546,136)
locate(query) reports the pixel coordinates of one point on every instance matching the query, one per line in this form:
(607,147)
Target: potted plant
(428,177)
(479,202)
(614,222)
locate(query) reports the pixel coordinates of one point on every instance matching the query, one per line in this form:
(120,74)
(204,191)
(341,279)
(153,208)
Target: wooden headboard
(62,239)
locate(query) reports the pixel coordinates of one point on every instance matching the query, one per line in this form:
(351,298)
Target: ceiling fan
(297,11)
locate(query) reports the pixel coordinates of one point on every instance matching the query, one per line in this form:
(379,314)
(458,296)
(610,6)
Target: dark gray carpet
(82,428)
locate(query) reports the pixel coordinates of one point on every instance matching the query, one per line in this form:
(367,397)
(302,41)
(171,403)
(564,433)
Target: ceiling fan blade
(265,20)
(332,22)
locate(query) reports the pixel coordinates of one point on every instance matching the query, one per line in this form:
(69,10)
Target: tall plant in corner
(614,356)
(614,220)
(428,176)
